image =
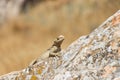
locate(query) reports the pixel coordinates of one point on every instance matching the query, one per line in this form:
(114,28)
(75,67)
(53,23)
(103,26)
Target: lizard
(53,51)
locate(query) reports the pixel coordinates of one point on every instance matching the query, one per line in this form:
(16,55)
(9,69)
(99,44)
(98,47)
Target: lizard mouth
(61,37)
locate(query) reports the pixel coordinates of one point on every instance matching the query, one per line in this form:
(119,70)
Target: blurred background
(28,27)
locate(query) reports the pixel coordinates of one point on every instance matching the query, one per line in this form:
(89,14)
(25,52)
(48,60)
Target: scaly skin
(53,51)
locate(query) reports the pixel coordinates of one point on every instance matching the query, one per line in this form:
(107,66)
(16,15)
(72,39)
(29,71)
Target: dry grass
(25,37)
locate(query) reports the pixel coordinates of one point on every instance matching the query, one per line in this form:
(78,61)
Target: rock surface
(92,57)
(22,37)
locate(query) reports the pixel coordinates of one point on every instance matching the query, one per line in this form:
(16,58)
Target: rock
(91,57)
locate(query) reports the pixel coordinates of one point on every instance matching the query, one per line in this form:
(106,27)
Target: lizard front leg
(58,54)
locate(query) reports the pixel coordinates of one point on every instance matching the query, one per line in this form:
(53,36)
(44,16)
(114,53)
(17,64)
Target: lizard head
(58,41)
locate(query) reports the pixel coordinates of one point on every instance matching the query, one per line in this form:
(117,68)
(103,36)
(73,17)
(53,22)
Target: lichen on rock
(92,57)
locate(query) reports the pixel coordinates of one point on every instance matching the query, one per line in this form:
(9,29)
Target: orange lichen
(33,77)
(108,70)
(40,69)
(116,20)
